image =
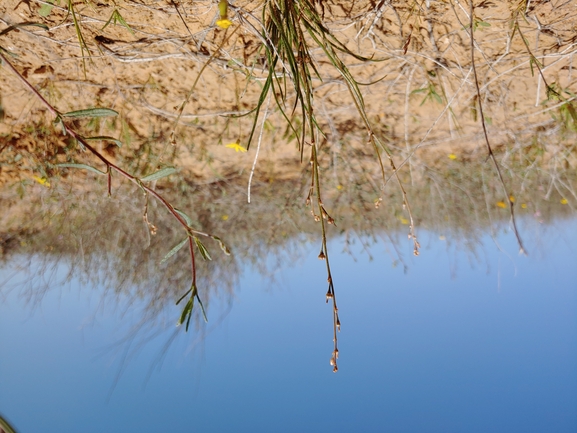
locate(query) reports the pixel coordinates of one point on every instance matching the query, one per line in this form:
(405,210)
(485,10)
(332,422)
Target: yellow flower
(501,204)
(512,199)
(225,217)
(224,23)
(564,201)
(524,205)
(404,221)
(42,181)
(339,187)
(452,156)
(236,146)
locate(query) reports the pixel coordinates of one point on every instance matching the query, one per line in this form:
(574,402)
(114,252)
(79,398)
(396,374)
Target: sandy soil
(422,103)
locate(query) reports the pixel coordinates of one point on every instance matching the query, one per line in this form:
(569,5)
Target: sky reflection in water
(456,344)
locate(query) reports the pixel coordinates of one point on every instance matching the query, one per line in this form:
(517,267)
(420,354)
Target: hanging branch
(522,249)
(181,217)
(315,189)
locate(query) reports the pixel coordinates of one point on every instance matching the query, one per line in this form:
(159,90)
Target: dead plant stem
(486,134)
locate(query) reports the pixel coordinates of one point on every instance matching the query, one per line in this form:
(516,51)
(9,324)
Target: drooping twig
(485,133)
(324,254)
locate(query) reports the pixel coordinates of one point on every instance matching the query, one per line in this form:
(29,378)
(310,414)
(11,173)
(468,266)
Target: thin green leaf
(259,104)
(111,19)
(185,216)
(188,320)
(8,53)
(202,308)
(183,296)
(186,312)
(123,22)
(105,138)
(166,171)
(24,24)
(513,33)
(116,17)
(92,112)
(81,166)
(203,251)
(173,251)
(81,41)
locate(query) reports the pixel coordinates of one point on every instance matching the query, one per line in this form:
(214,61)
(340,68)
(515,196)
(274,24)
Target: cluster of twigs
(290,29)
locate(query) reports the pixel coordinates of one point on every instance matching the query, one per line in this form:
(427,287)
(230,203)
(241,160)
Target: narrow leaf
(186,311)
(25,24)
(185,216)
(202,308)
(91,112)
(173,251)
(167,171)
(105,138)
(184,296)
(189,317)
(123,22)
(203,251)
(112,17)
(81,166)
(116,17)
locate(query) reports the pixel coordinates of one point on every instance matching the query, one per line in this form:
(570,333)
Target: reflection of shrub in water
(106,243)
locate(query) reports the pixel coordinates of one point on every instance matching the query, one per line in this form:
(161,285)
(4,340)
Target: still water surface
(460,342)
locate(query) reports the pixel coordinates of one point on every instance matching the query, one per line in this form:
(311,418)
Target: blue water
(461,342)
